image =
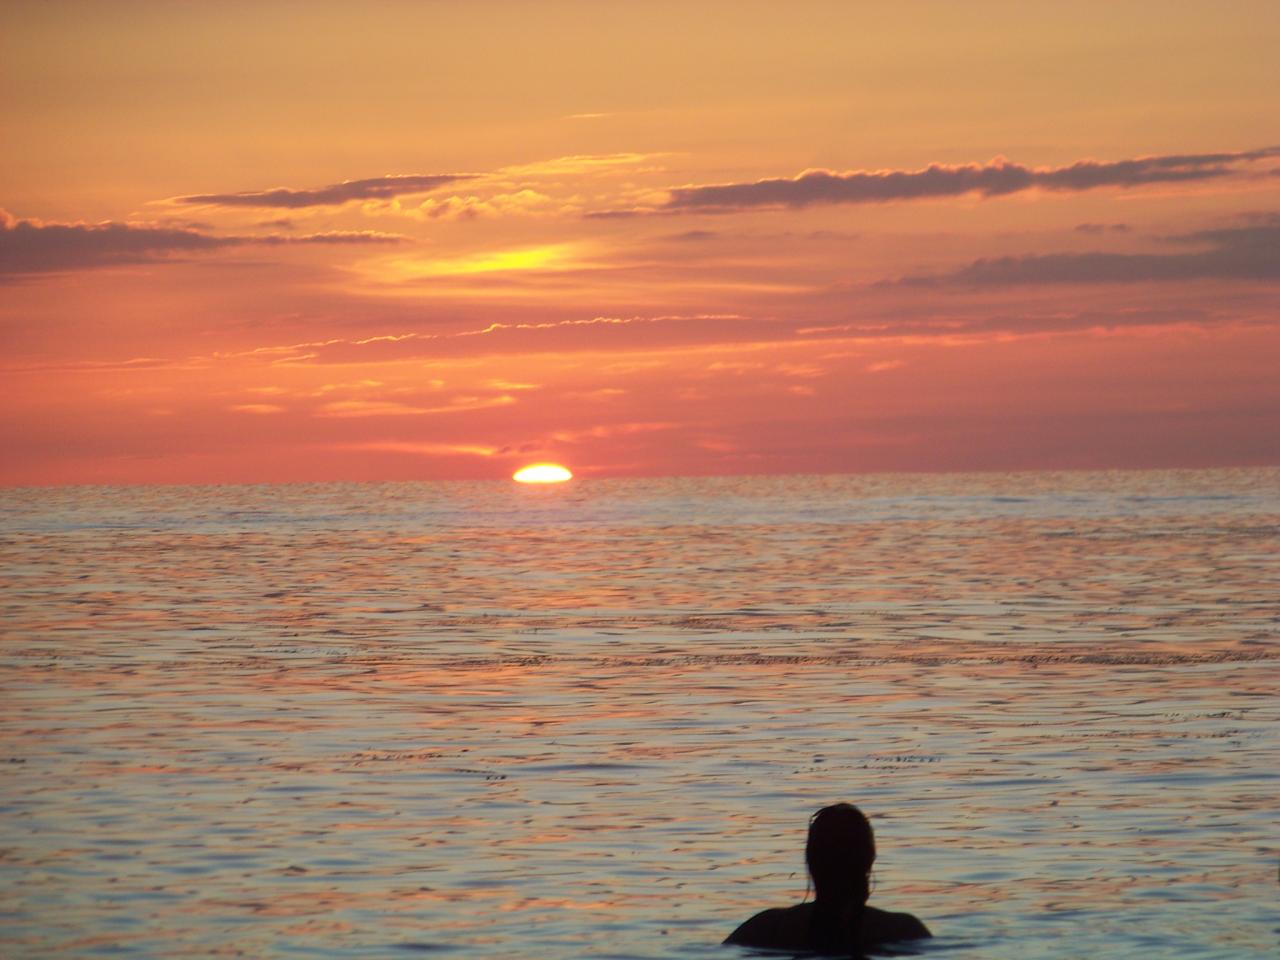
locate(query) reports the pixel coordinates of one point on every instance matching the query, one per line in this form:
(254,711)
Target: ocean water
(487,720)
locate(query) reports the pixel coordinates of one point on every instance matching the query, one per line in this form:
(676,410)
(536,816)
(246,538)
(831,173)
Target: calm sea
(485,720)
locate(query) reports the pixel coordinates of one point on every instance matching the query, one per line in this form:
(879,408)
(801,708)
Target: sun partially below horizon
(542,473)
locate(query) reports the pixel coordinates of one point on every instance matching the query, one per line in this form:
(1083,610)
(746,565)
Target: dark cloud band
(375,188)
(998,178)
(30,246)
(1249,252)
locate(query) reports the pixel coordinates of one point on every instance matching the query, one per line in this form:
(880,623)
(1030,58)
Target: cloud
(881,366)
(329,237)
(982,325)
(1249,252)
(580,164)
(622,214)
(593,333)
(388,408)
(1102,228)
(543,188)
(30,246)
(664,333)
(520,203)
(608,431)
(422,449)
(33,246)
(374,188)
(692,236)
(1000,177)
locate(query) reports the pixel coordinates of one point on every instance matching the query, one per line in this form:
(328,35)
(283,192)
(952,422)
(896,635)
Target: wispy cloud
(1000,177)
(579,164)
(882,366)
(967,327)
(524,203)
(388,408)
(606,431)
(423,449)
(1250,252)
(494,337)
(34,246)
(684,333)
(328,237)
(692,236)
(1102,228)
(373,188)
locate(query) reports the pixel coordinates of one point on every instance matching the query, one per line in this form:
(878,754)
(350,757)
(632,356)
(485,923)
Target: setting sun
(542,473)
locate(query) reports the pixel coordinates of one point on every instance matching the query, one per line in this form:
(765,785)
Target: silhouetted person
(839,853)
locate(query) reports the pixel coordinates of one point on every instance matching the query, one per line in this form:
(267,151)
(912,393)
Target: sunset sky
(280,241)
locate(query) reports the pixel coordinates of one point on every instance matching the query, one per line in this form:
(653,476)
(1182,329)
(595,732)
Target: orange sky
(318,241)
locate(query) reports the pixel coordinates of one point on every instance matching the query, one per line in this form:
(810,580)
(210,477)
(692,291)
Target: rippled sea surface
(485,720)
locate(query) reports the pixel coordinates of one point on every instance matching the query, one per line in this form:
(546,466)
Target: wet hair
(839,853)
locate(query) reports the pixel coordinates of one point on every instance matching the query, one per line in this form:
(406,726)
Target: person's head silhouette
(839,853)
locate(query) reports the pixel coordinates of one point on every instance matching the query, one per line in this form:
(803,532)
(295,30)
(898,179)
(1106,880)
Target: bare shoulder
(779,928)
(884,926)
(787,928)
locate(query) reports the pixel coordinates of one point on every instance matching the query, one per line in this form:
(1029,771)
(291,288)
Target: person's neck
(843,899)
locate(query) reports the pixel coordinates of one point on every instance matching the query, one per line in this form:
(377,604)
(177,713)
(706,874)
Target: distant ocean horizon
(591,719)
